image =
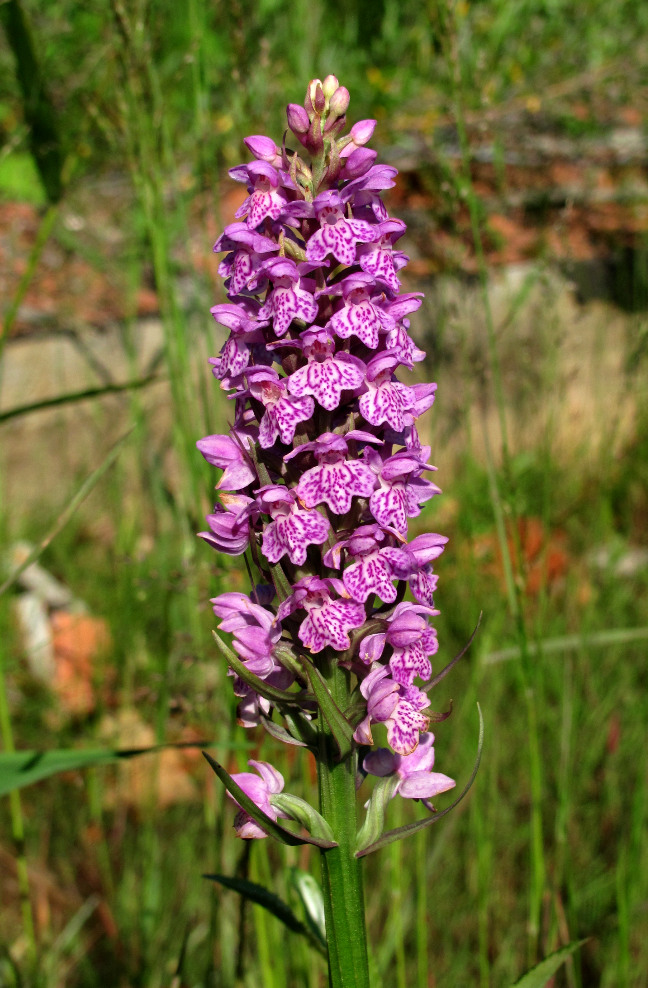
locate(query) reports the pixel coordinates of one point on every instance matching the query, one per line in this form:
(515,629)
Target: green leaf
(539,975)
(413,828)
(268,900)
(339,726)
(310,895)
(23,768)
(271,827)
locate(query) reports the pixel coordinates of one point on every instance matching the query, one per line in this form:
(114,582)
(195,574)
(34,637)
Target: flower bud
(262,148)
(330,85)
(339,102)
(316,96)
(362,131)
(297,118)
(359,162)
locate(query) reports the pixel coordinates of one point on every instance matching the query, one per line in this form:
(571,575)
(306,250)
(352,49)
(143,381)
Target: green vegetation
(102,866)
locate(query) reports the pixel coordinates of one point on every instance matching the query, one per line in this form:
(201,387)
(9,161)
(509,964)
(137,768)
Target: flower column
(323,468)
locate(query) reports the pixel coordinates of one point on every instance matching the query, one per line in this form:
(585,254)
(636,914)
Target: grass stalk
(500,509)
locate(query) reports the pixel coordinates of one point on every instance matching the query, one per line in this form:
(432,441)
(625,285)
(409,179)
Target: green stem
(341,875)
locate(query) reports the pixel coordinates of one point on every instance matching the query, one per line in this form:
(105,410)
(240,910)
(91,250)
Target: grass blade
(268,900)
(539,975)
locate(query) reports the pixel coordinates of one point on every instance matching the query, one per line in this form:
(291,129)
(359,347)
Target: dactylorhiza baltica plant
(323,468)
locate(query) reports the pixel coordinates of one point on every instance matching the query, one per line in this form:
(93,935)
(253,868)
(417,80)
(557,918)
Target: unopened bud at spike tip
(339,102)
(330,85)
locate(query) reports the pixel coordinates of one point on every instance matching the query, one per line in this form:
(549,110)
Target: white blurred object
(33,618)
(42,594)
(38,581)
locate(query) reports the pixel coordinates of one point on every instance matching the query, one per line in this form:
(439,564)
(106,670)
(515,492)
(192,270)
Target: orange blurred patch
(79,640)
(541,554)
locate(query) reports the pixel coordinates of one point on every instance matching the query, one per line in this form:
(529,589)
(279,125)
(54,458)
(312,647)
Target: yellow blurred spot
(516,73)
(224,123)
(533,104)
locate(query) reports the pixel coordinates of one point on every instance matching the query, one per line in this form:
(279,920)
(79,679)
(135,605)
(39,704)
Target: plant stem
(341,875)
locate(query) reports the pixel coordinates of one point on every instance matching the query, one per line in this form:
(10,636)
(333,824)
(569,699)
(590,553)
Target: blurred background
(520,134)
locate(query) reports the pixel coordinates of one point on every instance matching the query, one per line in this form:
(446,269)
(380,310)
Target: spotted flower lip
(327,373)
(293,528)
(329,619)
(283,412)
(337,234)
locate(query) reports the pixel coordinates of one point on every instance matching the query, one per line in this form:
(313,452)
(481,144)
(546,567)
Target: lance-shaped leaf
(24,768)
(339,726)
(540,975)
(259,686)
(271,827)
(413,828)
(268,900)
(444,672)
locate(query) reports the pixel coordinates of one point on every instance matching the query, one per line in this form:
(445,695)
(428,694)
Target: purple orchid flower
(283,412)
(386,399)
(266,199)
(337,235)
(230,456)
(335,480)
(230,526)
(360,315)
(327,373)
(412,640)
(293,528)
(268,782)
(402,488)
(329,619)
(396,706)
(373,572)
(416,780)
(287,301)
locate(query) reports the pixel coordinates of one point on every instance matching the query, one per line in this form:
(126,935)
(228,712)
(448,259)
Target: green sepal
(309,892)
(413,828)
(541,974)
(280,733)
(281,582)
(374,821)
(291,249)
(261,896)
(258,685)
(283,653)
(299,726)
(339,726)
(271,827)
(303,813)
